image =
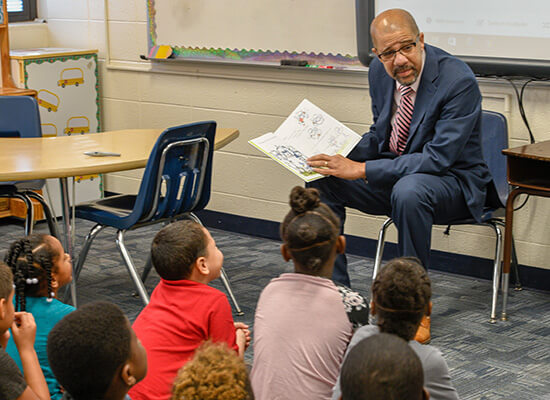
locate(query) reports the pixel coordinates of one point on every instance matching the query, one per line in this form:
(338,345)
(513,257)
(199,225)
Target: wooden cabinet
(16,208)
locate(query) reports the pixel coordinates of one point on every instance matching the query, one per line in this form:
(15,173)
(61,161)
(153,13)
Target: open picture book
(307,131)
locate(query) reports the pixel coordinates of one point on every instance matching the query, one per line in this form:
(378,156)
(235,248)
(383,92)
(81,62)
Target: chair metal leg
(195,218)
(29,219)
(380,247)
(506,280)
(147,268)
(378,258)
(224,277)
(497,268)
(52,224)
(149,263)
(131,268)
(85,248)
(79,264)
(225,281)
(514,263)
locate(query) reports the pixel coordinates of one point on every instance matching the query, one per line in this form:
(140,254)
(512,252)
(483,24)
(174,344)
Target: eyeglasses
(405,50)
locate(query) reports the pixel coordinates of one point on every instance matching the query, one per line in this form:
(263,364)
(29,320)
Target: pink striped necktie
(402,121)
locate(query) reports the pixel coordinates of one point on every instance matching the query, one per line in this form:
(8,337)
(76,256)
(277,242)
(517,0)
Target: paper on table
(306,132)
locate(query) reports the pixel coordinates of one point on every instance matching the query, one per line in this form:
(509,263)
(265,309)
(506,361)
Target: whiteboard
(498,28)
(321,31)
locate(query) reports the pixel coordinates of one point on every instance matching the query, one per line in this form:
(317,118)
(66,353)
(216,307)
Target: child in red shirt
(184,311)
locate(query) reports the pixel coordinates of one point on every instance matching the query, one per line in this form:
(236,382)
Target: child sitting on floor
(12,383)
(382,367)
(303,321)
(400,298)
(40,268)
(95,354)
(184,311)
(214,373)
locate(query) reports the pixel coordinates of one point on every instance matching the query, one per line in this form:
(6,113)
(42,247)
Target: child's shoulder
(43,306)
(12,382)
(185,291)
(63,307)
(188,286)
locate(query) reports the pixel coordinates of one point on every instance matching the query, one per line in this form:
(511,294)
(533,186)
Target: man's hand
(23,330)
(338,166)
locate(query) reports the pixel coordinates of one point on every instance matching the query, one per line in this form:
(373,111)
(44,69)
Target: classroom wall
(256,100)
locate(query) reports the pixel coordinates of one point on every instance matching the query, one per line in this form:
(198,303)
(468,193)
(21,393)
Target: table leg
(65,209)
(507,249)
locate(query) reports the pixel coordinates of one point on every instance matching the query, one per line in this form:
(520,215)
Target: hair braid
(47,265)
(31,261)
(17,259)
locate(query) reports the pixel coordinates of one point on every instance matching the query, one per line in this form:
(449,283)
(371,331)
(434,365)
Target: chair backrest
(177,176)
(19,117)
(494,139)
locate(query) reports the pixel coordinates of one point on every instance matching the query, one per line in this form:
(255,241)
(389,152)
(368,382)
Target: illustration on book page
(306,132)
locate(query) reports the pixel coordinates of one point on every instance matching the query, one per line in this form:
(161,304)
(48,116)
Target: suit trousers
(415,202)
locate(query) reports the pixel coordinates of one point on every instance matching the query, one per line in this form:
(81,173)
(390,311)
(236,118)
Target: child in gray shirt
(401,297)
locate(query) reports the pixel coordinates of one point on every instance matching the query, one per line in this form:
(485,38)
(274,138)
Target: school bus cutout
(85,177)
(71,76)
(80,124)
(49,130)
(48,100)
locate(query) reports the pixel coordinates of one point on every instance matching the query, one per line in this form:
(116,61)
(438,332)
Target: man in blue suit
(421,162)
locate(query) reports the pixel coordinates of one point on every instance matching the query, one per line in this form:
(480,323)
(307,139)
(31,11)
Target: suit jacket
(444,135)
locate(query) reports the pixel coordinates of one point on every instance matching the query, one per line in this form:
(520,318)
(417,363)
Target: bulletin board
(2,19)
(256,31)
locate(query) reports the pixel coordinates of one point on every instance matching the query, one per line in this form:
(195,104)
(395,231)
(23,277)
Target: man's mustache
(403,68)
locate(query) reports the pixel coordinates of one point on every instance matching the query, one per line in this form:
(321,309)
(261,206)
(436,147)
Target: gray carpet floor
(506,360)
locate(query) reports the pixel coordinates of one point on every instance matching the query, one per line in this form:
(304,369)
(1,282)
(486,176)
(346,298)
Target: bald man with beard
(421,161)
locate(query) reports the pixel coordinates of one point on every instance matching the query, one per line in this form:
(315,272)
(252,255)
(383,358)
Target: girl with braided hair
(40,268)
(303,320)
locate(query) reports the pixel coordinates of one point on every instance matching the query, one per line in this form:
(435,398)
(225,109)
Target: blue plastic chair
(494,139)
(20,118)
(176,182)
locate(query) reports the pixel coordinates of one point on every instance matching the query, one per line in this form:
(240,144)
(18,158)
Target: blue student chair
(176,183)
(494,139)
(20,118)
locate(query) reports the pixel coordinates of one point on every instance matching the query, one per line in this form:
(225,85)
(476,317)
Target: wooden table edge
(223,137)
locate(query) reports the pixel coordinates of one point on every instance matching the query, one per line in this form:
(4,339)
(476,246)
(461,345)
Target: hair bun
(302,199)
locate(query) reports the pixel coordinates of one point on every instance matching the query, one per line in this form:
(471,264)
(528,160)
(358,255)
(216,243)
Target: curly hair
(379,367)
(31,260)
(214,373)
(310,229)
(87,348)
(176,247)
(401,294)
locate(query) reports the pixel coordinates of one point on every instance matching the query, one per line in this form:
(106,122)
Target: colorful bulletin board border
(272,57)
(2,19)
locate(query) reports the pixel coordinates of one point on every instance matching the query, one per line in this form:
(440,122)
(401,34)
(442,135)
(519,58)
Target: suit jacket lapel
(425,91)
(384,118)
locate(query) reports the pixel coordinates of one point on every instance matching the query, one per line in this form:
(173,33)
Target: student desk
(529,172)
(63,157)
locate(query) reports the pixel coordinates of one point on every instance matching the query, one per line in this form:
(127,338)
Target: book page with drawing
(306,132)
